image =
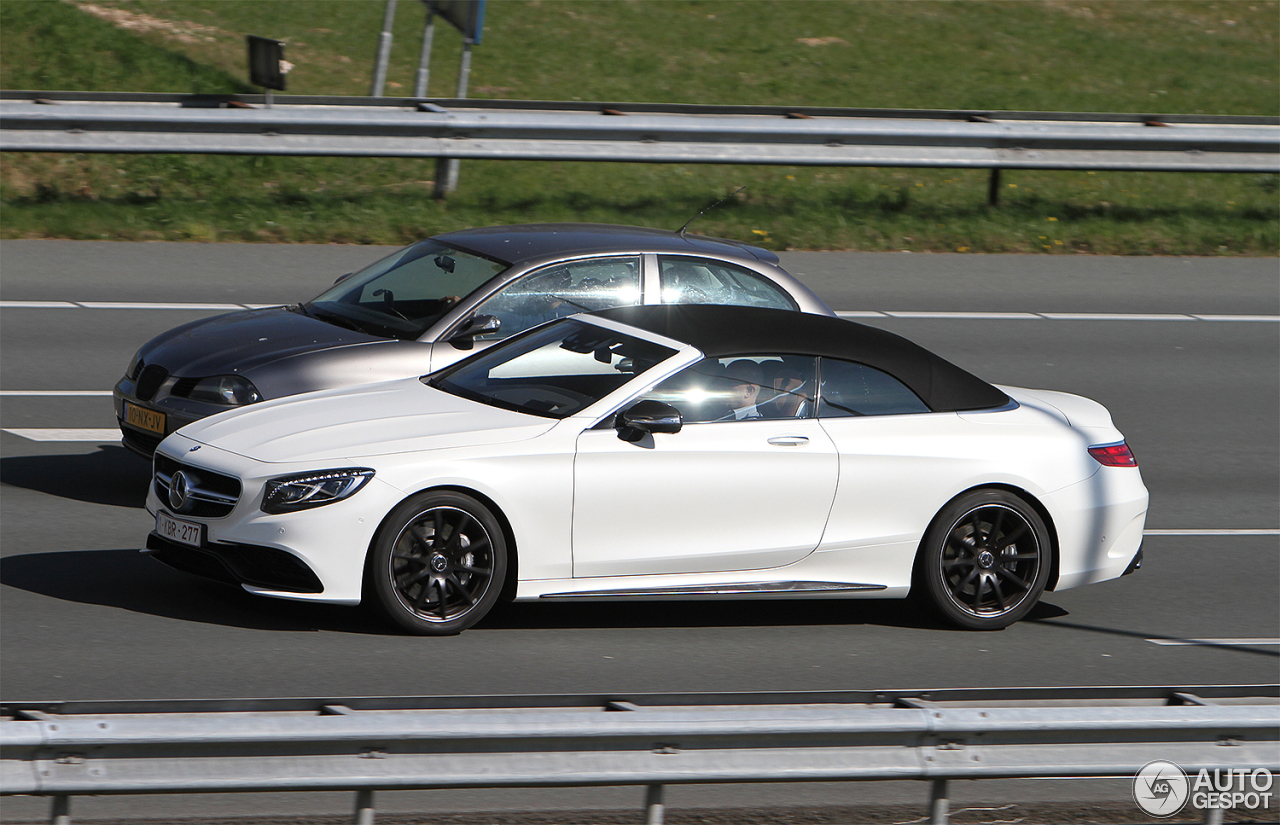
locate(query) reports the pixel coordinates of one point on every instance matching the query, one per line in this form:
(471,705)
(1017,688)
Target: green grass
(1149,57)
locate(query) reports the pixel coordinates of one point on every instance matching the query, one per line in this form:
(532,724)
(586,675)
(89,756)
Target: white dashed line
(1212,642)
(54,393)
(68,435)
(849,313)
(1265,531)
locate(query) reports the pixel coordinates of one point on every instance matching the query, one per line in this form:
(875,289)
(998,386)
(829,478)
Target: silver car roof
(515,244)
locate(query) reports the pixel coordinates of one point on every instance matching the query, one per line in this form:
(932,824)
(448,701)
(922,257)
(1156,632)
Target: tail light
(1114,455)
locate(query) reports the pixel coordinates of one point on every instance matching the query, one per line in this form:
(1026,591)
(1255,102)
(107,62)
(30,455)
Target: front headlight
(225,389)
(289,493)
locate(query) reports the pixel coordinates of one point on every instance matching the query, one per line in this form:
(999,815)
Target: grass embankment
(1150,57)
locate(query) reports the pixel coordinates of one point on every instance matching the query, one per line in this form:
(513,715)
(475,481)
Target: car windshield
(405,293)
(552,371)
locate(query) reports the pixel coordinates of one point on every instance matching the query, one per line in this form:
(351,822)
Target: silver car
(425,306)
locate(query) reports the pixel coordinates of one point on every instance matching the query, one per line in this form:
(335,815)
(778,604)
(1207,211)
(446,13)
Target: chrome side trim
(748,588)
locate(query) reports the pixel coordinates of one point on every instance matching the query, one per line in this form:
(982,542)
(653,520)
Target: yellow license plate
(144,418)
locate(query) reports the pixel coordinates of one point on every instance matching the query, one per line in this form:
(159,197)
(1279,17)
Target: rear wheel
(439,563)
(986,560)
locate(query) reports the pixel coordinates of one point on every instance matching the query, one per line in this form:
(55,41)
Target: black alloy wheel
(986,560)
(439,563)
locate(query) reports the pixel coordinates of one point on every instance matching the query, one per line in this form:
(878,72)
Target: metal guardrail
(64,749)
(652,133)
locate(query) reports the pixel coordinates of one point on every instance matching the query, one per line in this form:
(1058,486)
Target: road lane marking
(53,393)
(148,305)
(1213,642)
(1052,316)
(849,313)
(966,316)
(172,305)
(1214,531)
(70,435)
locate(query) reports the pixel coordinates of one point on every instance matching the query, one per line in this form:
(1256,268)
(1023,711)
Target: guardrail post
(993,188)
(61,813)
(653,807)
(939,803)
(364,807)
(1214,816)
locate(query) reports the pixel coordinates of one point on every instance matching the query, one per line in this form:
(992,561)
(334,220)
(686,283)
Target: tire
(986,560)
(438,564)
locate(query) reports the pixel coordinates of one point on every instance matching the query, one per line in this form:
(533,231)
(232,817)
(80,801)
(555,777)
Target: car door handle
(789,440)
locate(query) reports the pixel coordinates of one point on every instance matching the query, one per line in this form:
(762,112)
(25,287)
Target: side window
(741,388)
(703,281)
(563,289)
(850,389)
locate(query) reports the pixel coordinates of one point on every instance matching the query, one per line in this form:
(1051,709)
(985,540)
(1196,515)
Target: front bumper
(177,412)
(310,555)
(263,567)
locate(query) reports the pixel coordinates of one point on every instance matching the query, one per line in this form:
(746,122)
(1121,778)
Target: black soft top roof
(725,331)
(522,242)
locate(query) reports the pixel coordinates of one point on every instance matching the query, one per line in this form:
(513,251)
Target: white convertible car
(661,452)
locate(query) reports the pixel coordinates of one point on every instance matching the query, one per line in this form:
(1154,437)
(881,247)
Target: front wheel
(438,563)
(986,560)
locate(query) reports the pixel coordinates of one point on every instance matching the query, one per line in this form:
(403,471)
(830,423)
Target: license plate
(144,418)
(183,532)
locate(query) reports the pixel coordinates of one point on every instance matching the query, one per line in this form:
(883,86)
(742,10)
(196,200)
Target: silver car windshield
(552,371)
(405,293)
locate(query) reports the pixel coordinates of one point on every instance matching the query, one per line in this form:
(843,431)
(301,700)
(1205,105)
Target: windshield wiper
(335,319)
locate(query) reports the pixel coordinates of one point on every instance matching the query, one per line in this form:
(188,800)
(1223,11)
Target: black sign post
(267,65)
(467,16)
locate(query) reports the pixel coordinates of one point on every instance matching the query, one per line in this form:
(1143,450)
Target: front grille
(249,564)
(144,444)
(149,381)
(210,494)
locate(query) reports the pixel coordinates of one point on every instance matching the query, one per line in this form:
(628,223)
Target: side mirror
(645,417)
(465,337)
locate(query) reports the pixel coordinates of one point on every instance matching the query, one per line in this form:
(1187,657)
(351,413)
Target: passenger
(743,378)
(793,394)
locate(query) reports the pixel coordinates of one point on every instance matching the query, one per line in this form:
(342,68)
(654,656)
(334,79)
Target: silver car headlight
(233,390)
(300,492)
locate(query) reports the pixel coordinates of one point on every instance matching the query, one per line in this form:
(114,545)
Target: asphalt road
(84,616)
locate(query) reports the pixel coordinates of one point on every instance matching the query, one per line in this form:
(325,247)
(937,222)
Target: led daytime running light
(284,495)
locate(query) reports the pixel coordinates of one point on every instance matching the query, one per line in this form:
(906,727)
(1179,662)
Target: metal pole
(447,170)
(61,813)
(993,188)
(653,807)
(384,50)
(939,804)
(1214,816)
(364,807)
(424,59)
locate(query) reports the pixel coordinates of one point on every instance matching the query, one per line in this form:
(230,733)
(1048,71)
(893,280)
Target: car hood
(373,419)
(240,341)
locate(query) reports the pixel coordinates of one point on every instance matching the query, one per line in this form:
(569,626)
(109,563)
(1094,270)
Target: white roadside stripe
(54,393)
(127,305)
(1052,316)
(80,435)
(850,313)
(193,307)
(1265,531)
(1213,642)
